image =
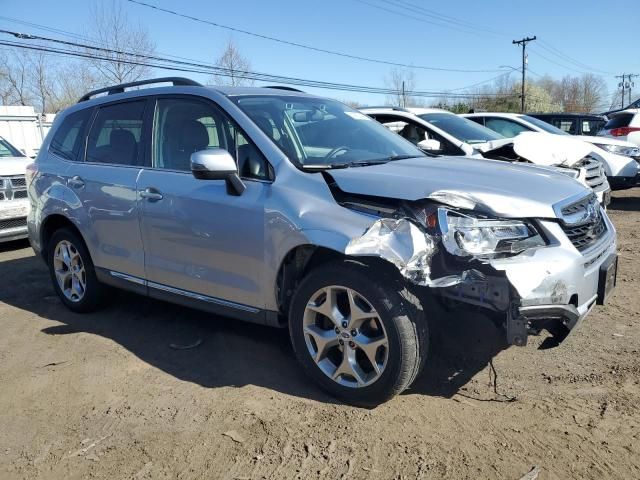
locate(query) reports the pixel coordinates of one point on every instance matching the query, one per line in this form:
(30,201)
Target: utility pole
(626,85)
(523,42)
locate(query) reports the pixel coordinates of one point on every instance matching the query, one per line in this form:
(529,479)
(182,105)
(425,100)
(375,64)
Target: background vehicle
(623,125)
(573,123)
(285,209)
(441,132)
(13,192)
(619,157)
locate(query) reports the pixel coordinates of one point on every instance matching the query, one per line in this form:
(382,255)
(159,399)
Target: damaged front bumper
(556,282)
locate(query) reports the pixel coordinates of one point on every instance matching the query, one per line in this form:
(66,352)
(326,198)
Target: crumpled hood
(497,187)
(13,165)
(548,149)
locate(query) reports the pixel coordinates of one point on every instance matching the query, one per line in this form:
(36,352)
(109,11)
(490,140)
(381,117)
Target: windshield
(322,133)
(543,125)
(463,129)
(8,150)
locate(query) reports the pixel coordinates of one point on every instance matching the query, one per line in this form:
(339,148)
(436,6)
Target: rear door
(105,185)
(200,241)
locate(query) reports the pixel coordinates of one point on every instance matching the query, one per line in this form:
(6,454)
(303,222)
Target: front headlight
(620,150)
(466,236)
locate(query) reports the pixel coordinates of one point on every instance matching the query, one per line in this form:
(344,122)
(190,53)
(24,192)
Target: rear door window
(68,141)
(116,134)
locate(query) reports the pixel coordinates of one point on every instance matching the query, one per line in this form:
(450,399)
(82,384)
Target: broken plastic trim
(411,250)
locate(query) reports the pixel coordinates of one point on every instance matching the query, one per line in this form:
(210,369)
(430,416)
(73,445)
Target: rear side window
(567,125)
(68,141)
(116,134)
(622,120)
(591,127)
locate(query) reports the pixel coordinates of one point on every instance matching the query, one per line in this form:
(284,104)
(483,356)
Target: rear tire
(72,272)
(357,332)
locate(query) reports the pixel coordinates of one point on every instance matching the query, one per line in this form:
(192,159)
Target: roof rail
(397,109)
(283,87)
(120,88)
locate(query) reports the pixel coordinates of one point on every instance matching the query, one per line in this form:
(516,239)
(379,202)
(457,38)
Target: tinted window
(116,133)
(622,120)
(8,150)
(183,126)
(591,127)
(461,128)
(566,125)
(319,132)
(505,127)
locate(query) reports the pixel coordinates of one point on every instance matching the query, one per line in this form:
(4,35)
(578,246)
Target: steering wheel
(335,151)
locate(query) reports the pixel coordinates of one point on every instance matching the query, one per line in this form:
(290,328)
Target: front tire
(72,272)
(358,333)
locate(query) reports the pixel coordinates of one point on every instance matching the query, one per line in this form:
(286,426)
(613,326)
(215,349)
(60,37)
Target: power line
(537,53)
(203,68)
(554,51)
(449,22)
(304,46)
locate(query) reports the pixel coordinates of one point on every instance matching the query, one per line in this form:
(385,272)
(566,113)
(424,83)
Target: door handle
(75,182)
(151,194)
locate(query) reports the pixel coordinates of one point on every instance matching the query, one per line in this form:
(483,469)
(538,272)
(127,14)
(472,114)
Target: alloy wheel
(69,270)
(345,336)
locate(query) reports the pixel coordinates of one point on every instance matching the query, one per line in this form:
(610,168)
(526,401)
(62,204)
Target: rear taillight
(30,173)
(623,131)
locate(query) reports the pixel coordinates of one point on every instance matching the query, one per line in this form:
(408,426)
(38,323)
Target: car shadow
(14,245)
(625,204)
(215,352)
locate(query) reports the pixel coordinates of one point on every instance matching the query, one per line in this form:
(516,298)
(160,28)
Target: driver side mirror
(429,145)
(217,164)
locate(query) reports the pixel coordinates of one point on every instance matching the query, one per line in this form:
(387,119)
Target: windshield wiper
(360,163)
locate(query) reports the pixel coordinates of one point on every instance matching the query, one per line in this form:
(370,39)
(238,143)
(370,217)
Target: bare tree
(15,79)
(234,65)
(128,42)
(400,82)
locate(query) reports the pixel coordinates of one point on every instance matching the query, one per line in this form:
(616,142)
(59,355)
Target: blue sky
(601,37)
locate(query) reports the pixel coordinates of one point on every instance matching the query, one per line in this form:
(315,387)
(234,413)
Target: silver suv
(273,206)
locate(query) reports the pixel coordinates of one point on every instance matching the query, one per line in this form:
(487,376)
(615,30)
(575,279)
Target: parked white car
(623,125)
(14,204)
(444,133)
(620,158)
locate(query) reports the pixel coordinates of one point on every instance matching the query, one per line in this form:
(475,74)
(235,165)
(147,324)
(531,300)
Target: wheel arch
(53,223)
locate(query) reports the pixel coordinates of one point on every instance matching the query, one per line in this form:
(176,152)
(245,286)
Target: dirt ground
(106,396)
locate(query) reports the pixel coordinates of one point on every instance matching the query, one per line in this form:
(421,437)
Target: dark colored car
(573,123)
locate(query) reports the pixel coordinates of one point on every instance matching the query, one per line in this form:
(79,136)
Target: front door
(199,239)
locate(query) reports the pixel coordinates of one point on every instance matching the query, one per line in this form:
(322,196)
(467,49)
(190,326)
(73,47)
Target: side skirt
(216,306)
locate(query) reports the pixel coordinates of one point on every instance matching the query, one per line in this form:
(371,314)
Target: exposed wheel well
(49,227)
(304,258)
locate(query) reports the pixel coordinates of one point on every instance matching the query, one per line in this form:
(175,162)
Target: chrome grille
(583,222)
(594,173)
(13,188)
(13,223)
